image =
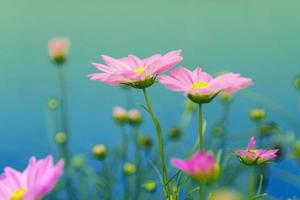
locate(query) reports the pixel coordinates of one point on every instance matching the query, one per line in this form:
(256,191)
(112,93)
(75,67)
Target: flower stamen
(19,194)
(139,70)
(198,85)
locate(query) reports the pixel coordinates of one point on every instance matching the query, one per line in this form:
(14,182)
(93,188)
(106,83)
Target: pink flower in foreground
(251,156)
(201,166)
(134,71)
(201,87)
(38,179)
(58,49)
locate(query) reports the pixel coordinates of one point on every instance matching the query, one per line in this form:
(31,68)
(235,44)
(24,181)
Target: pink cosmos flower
(134,71)
(58,49)
(251,156)
(201,166)
(38,179)
(201,87)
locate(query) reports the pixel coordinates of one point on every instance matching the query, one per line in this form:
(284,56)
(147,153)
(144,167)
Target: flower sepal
(141,84)
(202,99)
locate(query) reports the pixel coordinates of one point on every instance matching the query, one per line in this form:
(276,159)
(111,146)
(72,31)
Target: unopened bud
(134,117)
(99,151)
(120,115)
(60,137)
(53,104)
(129,168)
(257,114)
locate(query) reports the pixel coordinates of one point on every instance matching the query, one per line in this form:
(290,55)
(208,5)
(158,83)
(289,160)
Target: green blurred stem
(201,191)
(251,190)
(64,126)
(124,159)
(160,145)
(64,112)
(200,122)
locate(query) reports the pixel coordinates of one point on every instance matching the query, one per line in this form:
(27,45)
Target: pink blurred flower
(201,87)
(58,49)
(251,156)
(38,179)
(134,71)
(201,166)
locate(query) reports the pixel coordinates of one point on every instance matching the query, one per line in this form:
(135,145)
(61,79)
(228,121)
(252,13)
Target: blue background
(258,38)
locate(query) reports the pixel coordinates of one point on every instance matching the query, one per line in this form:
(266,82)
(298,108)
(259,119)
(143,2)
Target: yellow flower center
(199,85)
(139,70)
(252,150)
(18,195)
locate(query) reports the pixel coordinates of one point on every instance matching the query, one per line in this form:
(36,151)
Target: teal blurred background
(257,38)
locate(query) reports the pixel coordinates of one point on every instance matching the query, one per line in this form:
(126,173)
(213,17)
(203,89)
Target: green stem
(251,191)
(64,127)
(64,111)
(201,191)
(200,122)
(160,145)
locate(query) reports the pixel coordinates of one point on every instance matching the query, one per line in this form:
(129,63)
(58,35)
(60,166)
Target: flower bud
(225,97)
(296,150)
(99,151)
(145,142)
(190,106)
(225,194)
(77,161)
(175,133)
(257,114)
(120,115)
(268,128)
(150,186)
(134,117)
(58,49)
(53,104)
(129,168)
(218,130)
(60,137)
(297,82)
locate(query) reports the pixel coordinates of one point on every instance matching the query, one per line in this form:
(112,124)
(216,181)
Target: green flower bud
(225,194)
(145,142)
(53,104)
(61,137)
(296,150)
(297,82)
(175,133)
(134,117)
(78,161)
(257,114)
(150,186)
(129,168)
(218,130)
(268,128)
(99,151)
(190,106)
(120,115)
(225,97)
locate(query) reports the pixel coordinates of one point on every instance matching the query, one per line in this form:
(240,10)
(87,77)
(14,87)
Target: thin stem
(64,126)
(200,122)
(160,145)
(64,111)
(201,191)
(251,191)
